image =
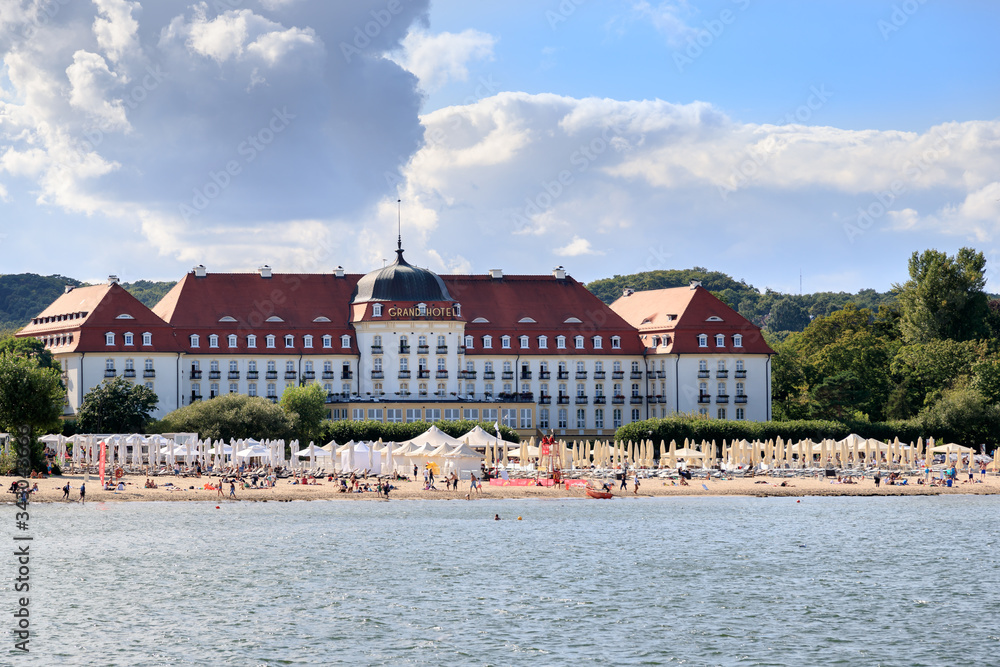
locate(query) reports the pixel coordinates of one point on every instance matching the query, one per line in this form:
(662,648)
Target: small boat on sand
(598,493)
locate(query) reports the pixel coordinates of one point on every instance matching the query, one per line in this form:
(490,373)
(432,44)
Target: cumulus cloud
(668,17)
(578,246)
(443,57)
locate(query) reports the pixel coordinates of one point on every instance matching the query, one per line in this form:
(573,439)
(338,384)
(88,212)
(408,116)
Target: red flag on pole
(101,459)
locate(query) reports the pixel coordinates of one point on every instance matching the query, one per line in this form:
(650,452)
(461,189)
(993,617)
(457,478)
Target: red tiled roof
(649,311)
(552,303)
(87,313)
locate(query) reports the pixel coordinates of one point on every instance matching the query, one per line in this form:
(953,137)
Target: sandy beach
(190,488)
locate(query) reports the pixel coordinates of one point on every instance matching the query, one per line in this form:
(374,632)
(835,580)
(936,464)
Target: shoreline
(50,490)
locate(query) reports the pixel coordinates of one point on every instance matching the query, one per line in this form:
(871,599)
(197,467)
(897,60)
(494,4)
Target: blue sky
(754,138)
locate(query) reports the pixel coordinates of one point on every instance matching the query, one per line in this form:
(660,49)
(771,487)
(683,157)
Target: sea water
(692,581)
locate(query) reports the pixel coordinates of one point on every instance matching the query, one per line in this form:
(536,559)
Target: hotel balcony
(740,398)
(600,400)
(721,374)
(423,349)
(650,375)
(195,397)
(741,374)
(309,375)
(272,397)
(617,375)
(214,375)
(461,349)
(704,374)
(470,375)
(271,375)
(563,400)
(599,375)
(508,375)
(635,400)
(544,375)
(525,375)
(404,349)
(234,375)
(562,375)
(129,373)
(581,375)
(378,375)
(704,398)
(722,398)
(524,397)
(252,375)
(290,375)
(441,374)
(661,374)
(652,399)
(618,400)
(337,398)
(442,349)
(489,375)
(636,375)
(376,349)
(149,373)
(195,374)
(329,375)
(544,400)
(423,374)
(581,400)
(346,375)
(404,375)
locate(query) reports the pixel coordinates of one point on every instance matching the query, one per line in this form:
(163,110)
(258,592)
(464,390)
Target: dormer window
(213,340)
(195,340)
(469,340)
(307,341)
(578,342)
(561,342)
(289,340)
(656,341)
(543,342)
(129,338)
(598,342)
(702,340)
(109,338)
(422,309)
(269,341)
(377,310)
(616,343)
(524,342)
(720,340)
(147,338)
(487,342)
(738,340)
(345,342)
(505,342)
(251,340)
(232,340)
(458,310)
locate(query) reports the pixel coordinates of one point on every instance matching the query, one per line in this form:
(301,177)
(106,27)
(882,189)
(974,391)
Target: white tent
(479,438)
(463,460)
(434,437)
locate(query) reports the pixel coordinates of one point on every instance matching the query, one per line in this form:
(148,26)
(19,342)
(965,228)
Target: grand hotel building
(539,353)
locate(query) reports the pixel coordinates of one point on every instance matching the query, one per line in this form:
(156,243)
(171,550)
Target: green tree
(786,315)
(944,296)
(30,395)
(307,408)
(962,415)
(229,416)
(117,406)
(30,348)
(927,369)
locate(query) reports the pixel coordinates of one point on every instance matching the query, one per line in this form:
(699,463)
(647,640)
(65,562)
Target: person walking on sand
(232,489)
(83,492)
(635,482)
(218,489)
(878,477)
(65,491)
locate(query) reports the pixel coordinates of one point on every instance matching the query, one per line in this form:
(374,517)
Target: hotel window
(328,341)
(562,389)
(404,388)
(525,417)
(272,390)
(739,365)
(616,366)
(232,340)
(213,340)
(703,412)
(740,389)
(722,365)
(703,389)
(270,340)
(616,418)
(328,388)
(543,418)
(128,339)
(507,367)
(251,341)
(737,340)
(289,340)
(656,341)
(252,366)
(377,310)
(635,415)
(581,418)
(470,367)
(377,364)
(234,366)
(422,363)
(307,341)
(422,341)
(147,338)
(213,366)
(213,390)
(563,418)
(441,364)
(442,342)
(327,366)
(488,389)
(505,342)
(488,342)
(578,341)
(394,415)
(617,389)
(346,388)
(440,391)
(271,367)
(345,342)
(404,363)
(635,389)
(703,365)
(488,366)
(722,388)
(310,367)
(458,310)
(740,414)
(468,342)
(524,342)
(149,386)
(561,342)
(581,367)
(598,366)
(635,366)
(195,340)
(543,342)
(422,309)
(581,389)
(616,343)
(721,413)
(377,390)
(702,340)
(149,364)
(413,415)
(196,389)
(599,418)
(129,365)
(720,340)
(508,388)
(599,389)
(233,387)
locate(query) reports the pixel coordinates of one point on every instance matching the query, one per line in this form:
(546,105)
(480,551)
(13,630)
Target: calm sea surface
(692,581)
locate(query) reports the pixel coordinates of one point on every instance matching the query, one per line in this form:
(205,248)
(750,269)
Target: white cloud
(438,59)
(116,28)
(668,17)
(577,247)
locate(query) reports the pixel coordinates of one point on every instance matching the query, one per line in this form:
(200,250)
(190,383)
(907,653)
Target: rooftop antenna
(399,227)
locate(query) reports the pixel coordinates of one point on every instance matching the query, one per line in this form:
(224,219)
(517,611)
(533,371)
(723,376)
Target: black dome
(400,282)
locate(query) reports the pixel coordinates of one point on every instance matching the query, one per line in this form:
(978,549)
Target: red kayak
(593,493)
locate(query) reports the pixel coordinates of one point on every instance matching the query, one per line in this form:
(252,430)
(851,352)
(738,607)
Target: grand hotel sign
(413,311)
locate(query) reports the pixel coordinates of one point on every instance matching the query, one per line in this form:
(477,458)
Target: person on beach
(624,486)
(218,488)
(65,491)
(635,484)
(232,489)
(83,492)
(496,517)
(878,477)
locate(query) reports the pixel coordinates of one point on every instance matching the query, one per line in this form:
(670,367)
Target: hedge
(345,431)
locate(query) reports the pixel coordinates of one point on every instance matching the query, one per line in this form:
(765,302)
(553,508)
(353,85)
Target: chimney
(695,284)
(112,280)
(67,289)
(559,273)
(265,271)
(199,271)
(628,291)
(496,274)
(339,272)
